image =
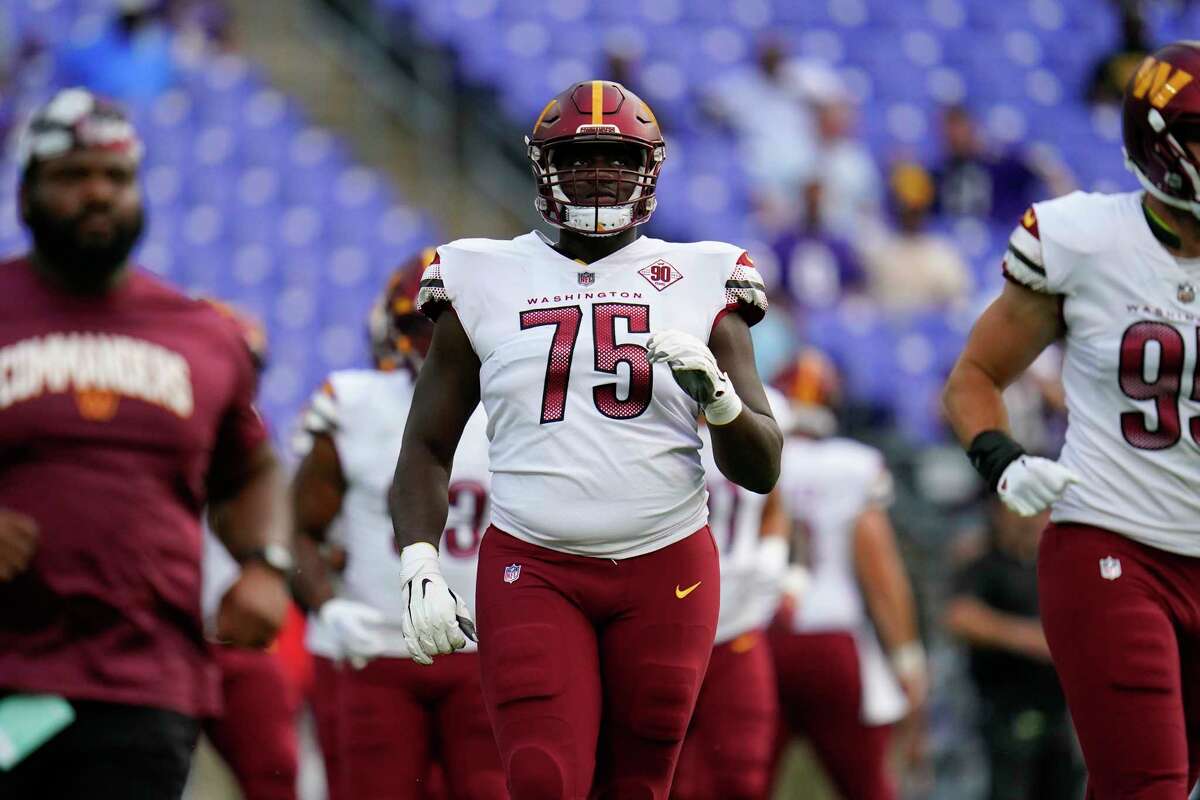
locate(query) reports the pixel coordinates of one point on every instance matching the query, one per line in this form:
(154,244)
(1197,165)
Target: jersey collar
(624,252)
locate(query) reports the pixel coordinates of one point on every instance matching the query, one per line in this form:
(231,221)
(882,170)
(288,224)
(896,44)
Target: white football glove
(356,626)
(436,621)
(695,370)
(771,569)
(1030,484)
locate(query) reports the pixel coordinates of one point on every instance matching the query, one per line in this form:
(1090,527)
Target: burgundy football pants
(728,750)
(327,675)
(256,733)
(820,698)
(398,716)
(591,666)
(1123,623)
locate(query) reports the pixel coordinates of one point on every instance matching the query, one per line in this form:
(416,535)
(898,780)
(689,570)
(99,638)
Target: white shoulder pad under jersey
(826,485)
(364,413)
(1129,369)
(594,450)
(735,517)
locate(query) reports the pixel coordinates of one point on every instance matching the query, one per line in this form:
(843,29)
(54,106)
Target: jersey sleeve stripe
(1026,260)
(1016,271)
(432,297)
(745,291)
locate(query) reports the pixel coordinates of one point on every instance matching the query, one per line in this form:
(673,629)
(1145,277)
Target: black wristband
(991,452)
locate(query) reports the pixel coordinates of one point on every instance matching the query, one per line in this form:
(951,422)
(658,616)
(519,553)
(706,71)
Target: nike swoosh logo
(682,593)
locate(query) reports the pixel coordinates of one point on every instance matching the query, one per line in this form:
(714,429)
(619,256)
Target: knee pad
(534,773)
(525,665)
(665,700)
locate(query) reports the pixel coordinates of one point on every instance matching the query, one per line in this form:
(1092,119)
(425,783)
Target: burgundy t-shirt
(113,411)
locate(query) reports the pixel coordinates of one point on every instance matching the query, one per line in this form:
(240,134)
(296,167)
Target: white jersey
(735,517)
(594,451)
(364,412)
(826,485)
(1130,365)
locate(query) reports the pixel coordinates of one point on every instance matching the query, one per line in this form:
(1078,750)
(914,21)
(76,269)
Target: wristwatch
(275,556)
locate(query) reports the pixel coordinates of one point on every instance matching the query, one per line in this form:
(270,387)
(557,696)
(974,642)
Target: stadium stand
(246,201)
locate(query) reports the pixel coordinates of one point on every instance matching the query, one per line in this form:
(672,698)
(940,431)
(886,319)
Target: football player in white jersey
(728,749)
(848,659)
(393,715)
(598,580)
(1119,565)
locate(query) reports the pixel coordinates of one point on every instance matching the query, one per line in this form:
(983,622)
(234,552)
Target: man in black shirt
(1023,721)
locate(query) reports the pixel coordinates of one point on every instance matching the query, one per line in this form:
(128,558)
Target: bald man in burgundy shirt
(125,410)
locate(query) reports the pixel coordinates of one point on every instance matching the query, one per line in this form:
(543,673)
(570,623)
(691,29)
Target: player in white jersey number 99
(597,588)
(1119,565)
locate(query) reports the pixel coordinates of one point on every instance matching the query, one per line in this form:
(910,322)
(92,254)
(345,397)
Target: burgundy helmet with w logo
(579,194)
(400,334)
(1161,116)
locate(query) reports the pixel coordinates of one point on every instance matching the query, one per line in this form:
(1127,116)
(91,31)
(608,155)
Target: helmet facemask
(1180,166)
(597,186)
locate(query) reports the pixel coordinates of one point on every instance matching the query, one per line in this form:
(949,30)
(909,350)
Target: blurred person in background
(1113,70)
(766,111)
(129,59)
(125,410)
(1119,565)
(851,194)
(848,659)
(817,267)
(598,579)
(395,716)
(912,269)
(727,752)
(974,179)
(210,21)
(1023,715)
(255,733)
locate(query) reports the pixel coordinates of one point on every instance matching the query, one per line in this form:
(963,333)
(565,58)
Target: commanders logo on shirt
(99,368)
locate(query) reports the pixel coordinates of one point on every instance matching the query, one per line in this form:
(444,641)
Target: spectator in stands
(816,266)
(209,20)
(1113,71)
(976,180)
(131,59)
(911,269)
(763,107)
(1023,717)
(852,190)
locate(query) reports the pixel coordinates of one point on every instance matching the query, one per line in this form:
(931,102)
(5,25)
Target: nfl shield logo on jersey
(511,573)
(1110,568)
(587,278)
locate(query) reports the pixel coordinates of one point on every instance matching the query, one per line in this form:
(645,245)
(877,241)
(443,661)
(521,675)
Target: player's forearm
(973,402)
(311,582)
(419,499)
(256,514)
(747,450)
(978,624)
(892,609)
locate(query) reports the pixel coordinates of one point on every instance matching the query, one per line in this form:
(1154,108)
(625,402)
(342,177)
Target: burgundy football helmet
(573,192)
(1161,115)
(400,334)
(812,385)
